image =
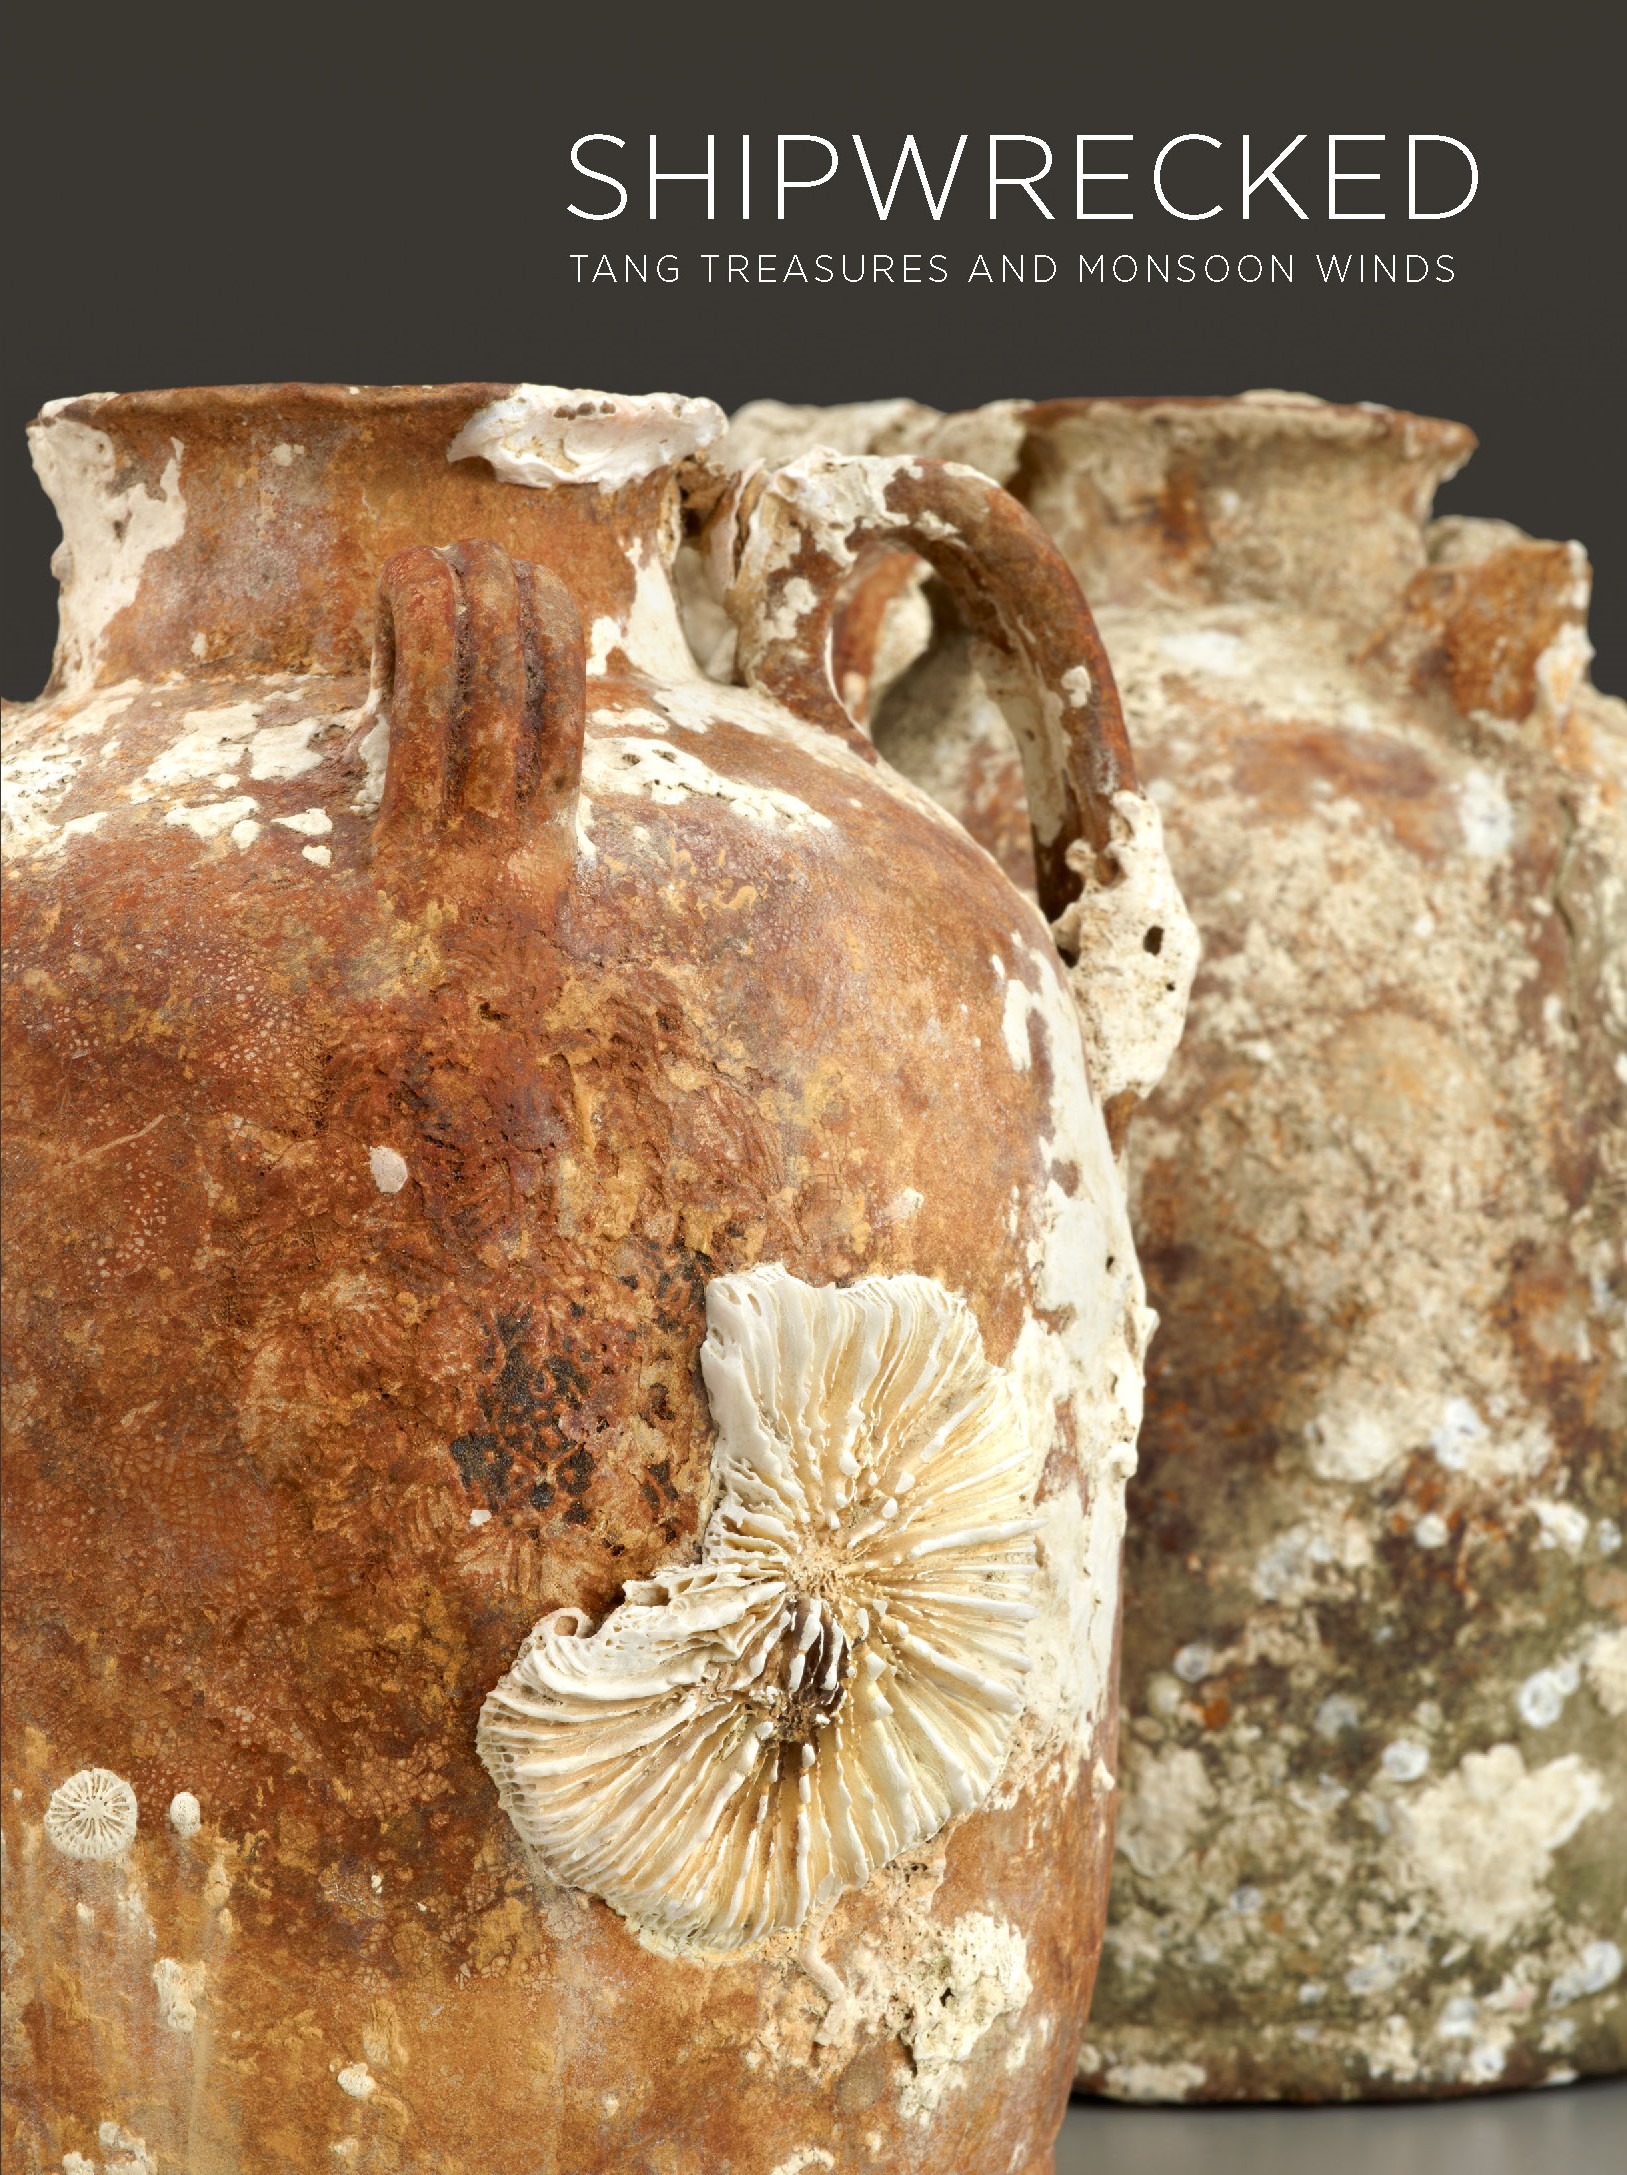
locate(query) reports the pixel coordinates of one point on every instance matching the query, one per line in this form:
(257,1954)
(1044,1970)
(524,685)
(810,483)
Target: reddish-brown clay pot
(1375,1650)
(407,1078)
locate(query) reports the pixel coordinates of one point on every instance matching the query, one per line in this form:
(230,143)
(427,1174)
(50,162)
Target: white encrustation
(538,435)
(748,1736)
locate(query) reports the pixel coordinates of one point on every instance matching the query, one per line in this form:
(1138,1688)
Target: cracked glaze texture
(381,1105)
(1375,1646)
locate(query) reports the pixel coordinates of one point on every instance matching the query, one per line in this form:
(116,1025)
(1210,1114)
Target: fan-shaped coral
(748,1736)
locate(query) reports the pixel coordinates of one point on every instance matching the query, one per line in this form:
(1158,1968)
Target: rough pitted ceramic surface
(395,1087)
(1375,1648)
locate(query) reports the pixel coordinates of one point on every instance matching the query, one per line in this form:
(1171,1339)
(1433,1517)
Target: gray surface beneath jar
(1577,2129)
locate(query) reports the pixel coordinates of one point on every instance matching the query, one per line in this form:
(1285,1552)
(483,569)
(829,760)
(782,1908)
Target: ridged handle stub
(478,666)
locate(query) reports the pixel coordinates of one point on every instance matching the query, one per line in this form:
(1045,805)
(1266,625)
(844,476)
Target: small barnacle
(746,1737)
(92,1814)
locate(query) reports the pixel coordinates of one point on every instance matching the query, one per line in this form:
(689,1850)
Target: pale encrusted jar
(1375,1646)
(572,1337)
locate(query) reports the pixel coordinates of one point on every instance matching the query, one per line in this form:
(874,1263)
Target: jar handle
(810,523)
(1104,882)
(478,666)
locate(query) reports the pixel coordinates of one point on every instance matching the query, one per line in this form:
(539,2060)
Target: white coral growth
(92,1814)
(748,1736)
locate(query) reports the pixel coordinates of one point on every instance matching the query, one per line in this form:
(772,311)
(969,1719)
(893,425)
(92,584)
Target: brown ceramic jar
(572,1339)
(1375,1651)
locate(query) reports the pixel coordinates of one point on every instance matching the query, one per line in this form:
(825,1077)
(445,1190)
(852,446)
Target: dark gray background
(210,194)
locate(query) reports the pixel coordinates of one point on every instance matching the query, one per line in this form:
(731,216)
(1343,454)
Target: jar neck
(241,530)
(1269,497)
